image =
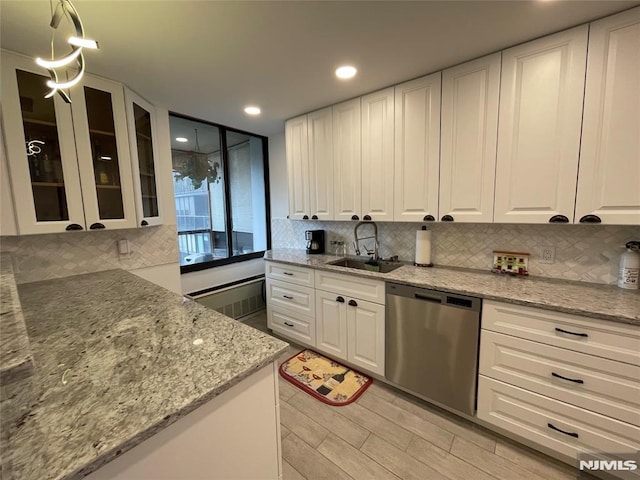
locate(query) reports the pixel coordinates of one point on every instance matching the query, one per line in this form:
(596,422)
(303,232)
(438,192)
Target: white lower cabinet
(365,335)
(331,324)
(568,384)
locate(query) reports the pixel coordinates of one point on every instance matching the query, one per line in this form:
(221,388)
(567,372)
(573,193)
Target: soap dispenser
(629,266)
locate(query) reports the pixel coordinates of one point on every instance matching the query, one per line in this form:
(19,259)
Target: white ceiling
(208,59)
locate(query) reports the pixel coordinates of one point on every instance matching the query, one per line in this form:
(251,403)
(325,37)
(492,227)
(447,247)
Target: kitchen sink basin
(382,267)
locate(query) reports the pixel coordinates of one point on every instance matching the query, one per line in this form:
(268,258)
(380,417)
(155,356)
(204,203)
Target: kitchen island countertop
(115,362)
(607,302)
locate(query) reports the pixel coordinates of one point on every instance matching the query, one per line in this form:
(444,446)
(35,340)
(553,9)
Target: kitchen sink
(383,267)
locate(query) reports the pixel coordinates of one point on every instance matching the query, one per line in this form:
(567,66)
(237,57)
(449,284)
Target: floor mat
(323,378)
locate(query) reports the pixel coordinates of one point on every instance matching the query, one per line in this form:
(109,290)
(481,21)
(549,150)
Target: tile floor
(387,434)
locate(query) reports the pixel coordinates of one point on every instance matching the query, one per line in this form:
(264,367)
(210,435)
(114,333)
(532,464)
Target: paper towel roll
(423,248)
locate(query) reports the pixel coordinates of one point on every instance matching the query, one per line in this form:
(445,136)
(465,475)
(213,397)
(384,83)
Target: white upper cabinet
(540,114)
(296,138)
(347,160)
(470,95)
(320,130)
(609,175)
(41,151)
(377,155)
(417,149)
(143,139)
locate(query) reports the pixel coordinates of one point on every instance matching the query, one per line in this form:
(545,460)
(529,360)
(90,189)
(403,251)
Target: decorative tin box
(513,263)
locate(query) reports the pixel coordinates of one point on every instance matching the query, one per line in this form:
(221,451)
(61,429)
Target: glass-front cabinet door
(40,150)
(104,162)
(144,157)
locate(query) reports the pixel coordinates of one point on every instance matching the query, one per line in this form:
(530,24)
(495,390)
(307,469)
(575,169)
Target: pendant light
(77,43)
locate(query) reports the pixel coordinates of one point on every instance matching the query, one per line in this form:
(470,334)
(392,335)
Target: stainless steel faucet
(356,241)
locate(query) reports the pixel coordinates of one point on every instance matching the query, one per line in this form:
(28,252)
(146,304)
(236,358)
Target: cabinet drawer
(616,341)
(293,297)
(350,286)
(604,386)
(292,325)
(534,417)
(289,273)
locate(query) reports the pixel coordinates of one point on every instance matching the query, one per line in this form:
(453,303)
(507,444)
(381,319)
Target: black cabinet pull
(74,226)
(287,297)
(446,218)
(590,219)
(288,324)
(429,218)
(287,273)
(574,380)
(97,226)
(314,217)
(144,223)
(353,303)
(585,335)
(355,217)
(305,217)
(367,217)
(287,217)
(340,299)
(558,219)
(553,427)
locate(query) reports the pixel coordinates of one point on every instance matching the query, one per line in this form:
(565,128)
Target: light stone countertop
(115,363)
(606,302)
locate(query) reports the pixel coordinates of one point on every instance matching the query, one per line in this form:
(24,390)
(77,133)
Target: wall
(588,253)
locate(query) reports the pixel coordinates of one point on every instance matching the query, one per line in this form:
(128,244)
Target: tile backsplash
(55,255)
(588,253)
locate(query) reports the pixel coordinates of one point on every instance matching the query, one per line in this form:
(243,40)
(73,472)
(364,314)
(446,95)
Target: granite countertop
(606,302)
(115,362)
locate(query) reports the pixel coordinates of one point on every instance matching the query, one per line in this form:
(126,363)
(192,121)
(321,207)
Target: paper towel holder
(424,227)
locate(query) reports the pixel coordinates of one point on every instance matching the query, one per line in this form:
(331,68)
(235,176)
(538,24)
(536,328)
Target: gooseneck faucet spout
(356,241)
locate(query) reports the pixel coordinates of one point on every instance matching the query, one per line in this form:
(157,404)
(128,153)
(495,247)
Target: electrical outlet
(547,255)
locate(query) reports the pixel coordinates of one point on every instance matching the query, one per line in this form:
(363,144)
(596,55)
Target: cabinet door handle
(558,219)
(553,427)
(314,217)
(574,380)
(287,273)
(590,219)
(288,324)
(355,217)
(287,297)
(144,223)
(446,218)
(340,299)
(367,217)
(353,303)
(429,218)
(305,217)
(97,226)
(559,330)
(74,226)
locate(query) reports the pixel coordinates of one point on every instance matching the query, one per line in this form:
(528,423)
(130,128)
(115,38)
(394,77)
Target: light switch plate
(124,247)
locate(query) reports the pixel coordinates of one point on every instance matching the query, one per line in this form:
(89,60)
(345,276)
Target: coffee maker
(315,241)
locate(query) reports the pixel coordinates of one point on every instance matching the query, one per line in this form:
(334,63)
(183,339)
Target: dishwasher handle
(427,298)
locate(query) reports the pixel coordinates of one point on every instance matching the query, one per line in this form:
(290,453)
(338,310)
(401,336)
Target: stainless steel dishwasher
(432,345)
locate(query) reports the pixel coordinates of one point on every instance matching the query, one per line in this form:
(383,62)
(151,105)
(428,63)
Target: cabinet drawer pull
(353,303)
(446,218)
(314,217)
(590,219)
(574,380)
(429,218)
(553,427)
(144,223)
(355,217)
(288,324)
(340,299)
(74,226)
(367,217)
(585,335)
(287,297)
(288,273)
(305,217)
(558,219)
(97,226)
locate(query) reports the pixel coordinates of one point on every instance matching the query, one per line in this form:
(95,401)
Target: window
(220,182)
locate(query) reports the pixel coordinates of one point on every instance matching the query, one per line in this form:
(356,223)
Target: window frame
(222,131)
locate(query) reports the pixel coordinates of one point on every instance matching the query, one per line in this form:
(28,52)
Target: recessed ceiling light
(346,71)
(252,110)
(181,139)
